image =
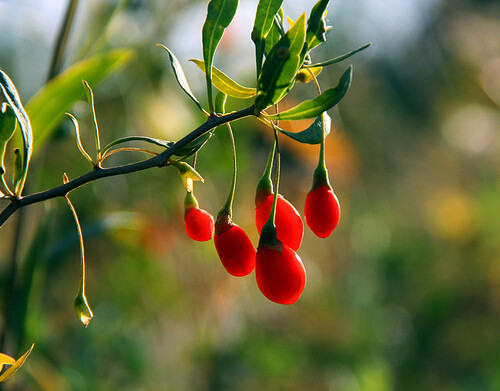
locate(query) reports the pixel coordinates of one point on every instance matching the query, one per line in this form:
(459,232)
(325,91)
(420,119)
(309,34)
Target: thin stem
(112,152)
(62,38)
(160,160)
(321,162)
(82,249)
(278,162)
(228,206)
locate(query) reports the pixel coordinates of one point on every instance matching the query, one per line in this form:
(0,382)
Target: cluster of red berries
(279,271)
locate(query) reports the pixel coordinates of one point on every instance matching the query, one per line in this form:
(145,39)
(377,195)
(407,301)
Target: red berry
(199,224)
(322,211)
(281,277)
(235,251)
(289,226)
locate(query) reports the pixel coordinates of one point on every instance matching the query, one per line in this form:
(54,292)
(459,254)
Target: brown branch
(156,161)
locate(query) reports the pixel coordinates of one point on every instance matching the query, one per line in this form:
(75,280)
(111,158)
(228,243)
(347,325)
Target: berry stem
(228,206)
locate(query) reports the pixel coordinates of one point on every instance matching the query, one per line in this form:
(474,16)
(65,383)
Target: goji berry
(235,250)
(322,211)
(281,276)
(199,224)
(289,226)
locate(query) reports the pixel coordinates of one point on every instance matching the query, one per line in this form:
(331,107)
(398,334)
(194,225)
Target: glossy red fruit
(289,226)
(322,211)
(199,224)
(281,277)
(235,251)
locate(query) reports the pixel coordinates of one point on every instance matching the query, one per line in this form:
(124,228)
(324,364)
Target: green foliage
(316,25)
(219,14)
(314,107)
(225,84)
(312,134)
(22,162)
(281,66)
(180,76)
(264,18)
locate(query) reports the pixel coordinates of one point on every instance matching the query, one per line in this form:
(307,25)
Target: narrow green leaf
(47,107)
(219,14)
(339,58)
(7,128)
(12,96)
(280,67)
(316,25)
(220,103)
(314,133)
(304,76)
(180,76)
(155,141)
(266,11)
(90,101)
(9,372)
(273,36)
(194,146)
(79,140)
(225,84)
(314,107)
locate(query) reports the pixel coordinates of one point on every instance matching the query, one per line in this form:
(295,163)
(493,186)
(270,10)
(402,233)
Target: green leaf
(281,65)
(316,25)
(225,84)
(339,58)
(9,372)
(180,76)
(7,128)
(304,76)
(12,96)
(187,173)
(266,11)
(90,101)
(314,133)
(314,107)
(47,107)
(273,36)
(155,141)
(219,14)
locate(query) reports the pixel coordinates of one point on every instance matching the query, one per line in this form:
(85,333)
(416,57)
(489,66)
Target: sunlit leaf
(316,25)
(314,107)
(281,65)
(5,360)
(314,133)
(180,76)
(47,107)
(219,14)
(7,128)
(266,11)
(304,76)
(225,84)
(273,36)
(12,96)
(16,365)
(187,173)
(155,141)
(339,58)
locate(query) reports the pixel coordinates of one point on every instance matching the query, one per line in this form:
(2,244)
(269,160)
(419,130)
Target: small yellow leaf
(16,365)
(4,359)
(187,173)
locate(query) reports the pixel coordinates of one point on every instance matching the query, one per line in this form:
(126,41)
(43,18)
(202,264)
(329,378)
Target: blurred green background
(405,295)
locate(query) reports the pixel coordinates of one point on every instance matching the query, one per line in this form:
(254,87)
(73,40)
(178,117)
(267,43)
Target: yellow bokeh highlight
(451,214)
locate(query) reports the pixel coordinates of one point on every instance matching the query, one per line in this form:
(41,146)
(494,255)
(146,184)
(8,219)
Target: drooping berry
(235,250)
(199,224)
(289,226)
(281,276)
(322,211)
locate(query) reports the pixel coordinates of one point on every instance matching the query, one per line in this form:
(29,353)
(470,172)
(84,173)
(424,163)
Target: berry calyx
(199,223)
(281,276)
(289,226)
(235,250)
(322,211)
